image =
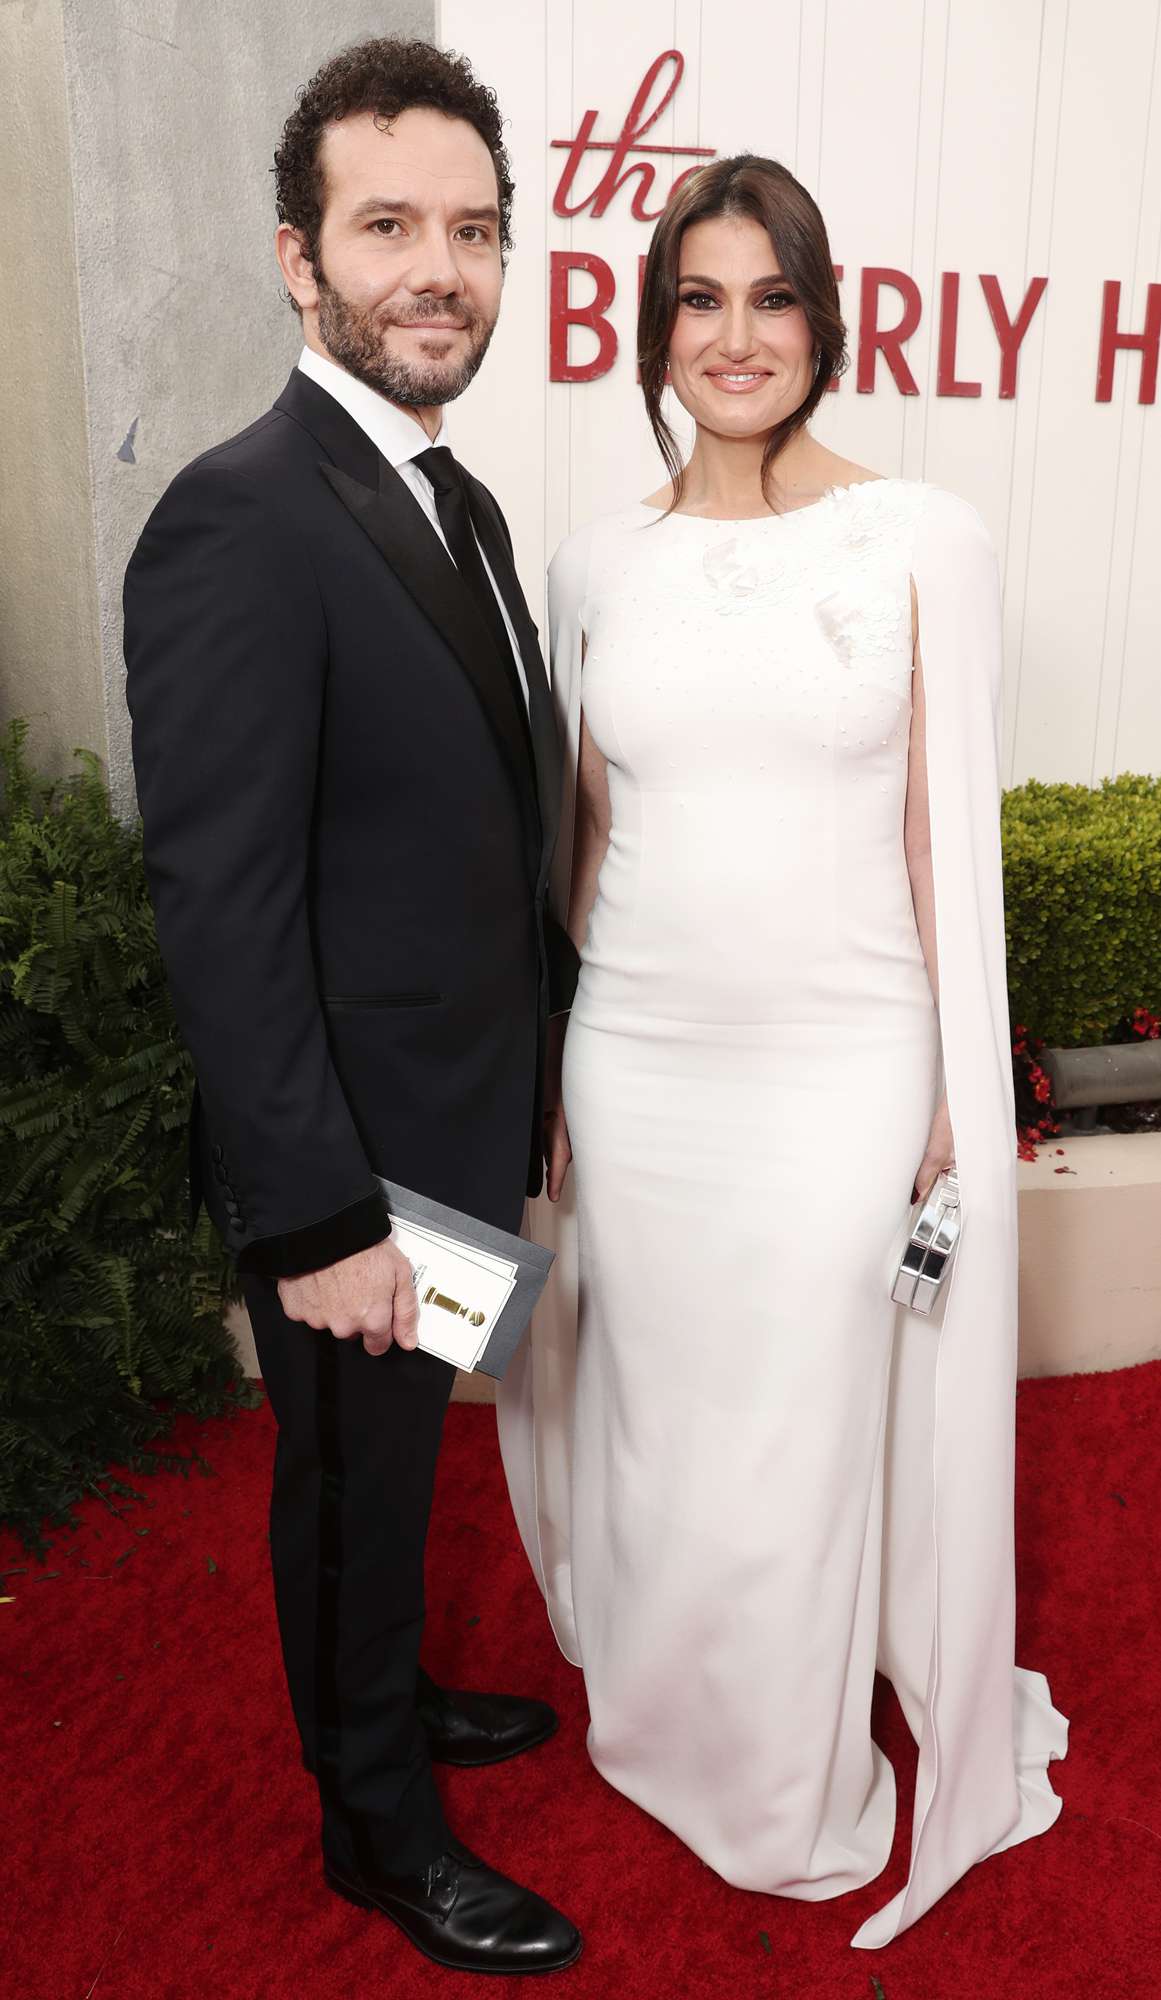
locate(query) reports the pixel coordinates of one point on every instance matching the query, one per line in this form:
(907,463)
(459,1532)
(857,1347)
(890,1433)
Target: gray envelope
(532,1265)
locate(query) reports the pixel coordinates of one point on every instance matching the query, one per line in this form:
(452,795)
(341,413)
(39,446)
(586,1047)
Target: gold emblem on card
(433,1298)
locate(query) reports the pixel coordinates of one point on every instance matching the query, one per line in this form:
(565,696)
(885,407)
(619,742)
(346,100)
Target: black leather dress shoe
(462,1914)
(466,1728)
(471,1729)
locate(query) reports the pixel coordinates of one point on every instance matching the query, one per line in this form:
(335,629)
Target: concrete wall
(150,323)
(50,666)
(1090,1254)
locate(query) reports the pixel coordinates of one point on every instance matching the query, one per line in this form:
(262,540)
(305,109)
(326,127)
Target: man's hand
(370,1294)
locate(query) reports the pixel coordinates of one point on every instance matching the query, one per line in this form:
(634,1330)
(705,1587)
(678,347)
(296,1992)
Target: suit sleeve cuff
(318,1244)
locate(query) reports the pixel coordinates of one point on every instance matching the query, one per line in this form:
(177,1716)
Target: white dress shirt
(400,438)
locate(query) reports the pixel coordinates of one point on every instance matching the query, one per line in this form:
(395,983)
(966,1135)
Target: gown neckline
(762,520)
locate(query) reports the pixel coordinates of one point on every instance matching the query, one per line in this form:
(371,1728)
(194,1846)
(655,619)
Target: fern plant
(110,1309)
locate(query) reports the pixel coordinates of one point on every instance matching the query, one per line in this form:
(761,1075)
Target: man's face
(408,276)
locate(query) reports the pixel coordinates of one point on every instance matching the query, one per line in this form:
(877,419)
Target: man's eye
(474,233)
(385,222)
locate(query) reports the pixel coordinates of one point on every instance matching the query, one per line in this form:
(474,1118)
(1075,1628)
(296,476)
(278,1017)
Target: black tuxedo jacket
(349,820)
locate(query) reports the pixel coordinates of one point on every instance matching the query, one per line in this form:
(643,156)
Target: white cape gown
(986,1729)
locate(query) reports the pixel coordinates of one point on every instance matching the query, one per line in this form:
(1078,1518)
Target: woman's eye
(698,299)
(781,300)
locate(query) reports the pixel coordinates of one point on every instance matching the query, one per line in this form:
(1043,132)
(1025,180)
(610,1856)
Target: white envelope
(461,1292)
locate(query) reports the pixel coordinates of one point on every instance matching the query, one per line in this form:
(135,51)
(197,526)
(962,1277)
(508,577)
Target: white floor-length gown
(750,1479)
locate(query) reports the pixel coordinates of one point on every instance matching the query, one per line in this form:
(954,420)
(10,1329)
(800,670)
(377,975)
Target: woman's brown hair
(768,193)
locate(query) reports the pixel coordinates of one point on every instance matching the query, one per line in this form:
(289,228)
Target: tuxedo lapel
(333,429)
(542,721)
(377,498)
(396,525)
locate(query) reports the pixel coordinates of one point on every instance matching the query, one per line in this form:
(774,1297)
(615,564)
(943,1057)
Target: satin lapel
(396,524)
(332,428)
(541,717)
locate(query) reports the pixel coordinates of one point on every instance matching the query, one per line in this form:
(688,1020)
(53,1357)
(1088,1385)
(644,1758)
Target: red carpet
(161,1833)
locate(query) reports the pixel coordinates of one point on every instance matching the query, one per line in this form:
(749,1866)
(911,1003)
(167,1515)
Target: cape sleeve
(957,581)
(988,1728)
(535,1398)
(568,575)
(567,585)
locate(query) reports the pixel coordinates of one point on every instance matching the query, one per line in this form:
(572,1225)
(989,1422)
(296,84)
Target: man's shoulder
(253,490)
(266,450)
(266,472)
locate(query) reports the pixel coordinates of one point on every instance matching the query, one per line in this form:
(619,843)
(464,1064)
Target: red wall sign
(583,287)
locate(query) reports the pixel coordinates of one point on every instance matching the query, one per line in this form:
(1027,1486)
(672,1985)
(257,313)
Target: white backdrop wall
(1010,138)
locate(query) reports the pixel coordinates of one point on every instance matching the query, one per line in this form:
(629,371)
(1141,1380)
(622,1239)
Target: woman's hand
(940,1153)
(557,1149)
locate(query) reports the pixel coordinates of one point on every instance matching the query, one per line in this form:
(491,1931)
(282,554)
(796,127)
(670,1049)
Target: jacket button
(237,1224)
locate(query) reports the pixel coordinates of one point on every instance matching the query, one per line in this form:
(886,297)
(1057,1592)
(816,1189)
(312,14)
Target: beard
(357,338)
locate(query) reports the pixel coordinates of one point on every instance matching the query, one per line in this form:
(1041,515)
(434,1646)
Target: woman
(785,883)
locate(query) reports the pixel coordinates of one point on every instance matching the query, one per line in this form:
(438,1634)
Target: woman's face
(741,354)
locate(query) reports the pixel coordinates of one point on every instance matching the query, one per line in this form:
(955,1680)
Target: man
(347,771)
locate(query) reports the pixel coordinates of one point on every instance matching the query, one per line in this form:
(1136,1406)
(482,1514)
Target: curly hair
(386,75)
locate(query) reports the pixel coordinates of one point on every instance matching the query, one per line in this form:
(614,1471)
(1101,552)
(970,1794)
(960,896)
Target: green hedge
(1082,887)
(110,1312)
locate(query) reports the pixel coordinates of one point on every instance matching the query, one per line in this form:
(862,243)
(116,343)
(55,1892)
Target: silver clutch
(929,1252)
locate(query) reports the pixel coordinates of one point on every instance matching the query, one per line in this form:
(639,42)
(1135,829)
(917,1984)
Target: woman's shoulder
(950,528)
(620,520)
(570,566)
(920,507)
(950,513)
(937,506)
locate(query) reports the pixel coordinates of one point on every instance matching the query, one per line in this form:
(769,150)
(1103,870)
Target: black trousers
(358,1437)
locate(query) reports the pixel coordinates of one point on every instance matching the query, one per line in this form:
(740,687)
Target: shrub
(110,1310)
(1082,888)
